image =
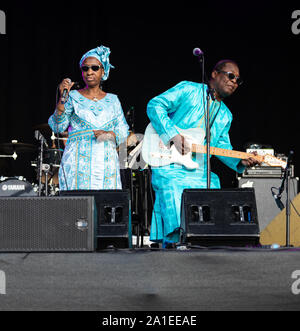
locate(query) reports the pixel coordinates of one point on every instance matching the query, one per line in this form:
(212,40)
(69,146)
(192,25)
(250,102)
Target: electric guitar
(157,154)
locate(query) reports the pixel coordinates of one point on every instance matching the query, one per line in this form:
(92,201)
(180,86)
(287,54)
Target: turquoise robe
(184,106)
(87,163)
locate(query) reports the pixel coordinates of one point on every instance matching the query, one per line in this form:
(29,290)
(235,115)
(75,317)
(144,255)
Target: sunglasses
(232,76)
(94,67)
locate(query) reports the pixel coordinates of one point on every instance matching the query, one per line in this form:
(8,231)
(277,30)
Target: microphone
(197,52)
(278,201)
(290,157)
(288,162)
(63,98)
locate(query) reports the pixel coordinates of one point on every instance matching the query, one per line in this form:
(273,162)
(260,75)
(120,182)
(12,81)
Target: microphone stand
(286,181)
(288,206)
(207,120)
(41,167)
(210,92)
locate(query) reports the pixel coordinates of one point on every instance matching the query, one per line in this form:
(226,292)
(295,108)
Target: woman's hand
(102,135)
(66,84)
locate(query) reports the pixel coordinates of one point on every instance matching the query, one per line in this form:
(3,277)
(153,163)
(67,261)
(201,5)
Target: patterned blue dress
(184,106)
(86,163)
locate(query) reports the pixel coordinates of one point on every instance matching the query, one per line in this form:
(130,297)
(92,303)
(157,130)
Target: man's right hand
(181,144)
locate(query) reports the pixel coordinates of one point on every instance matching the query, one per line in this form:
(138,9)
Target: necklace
(93,98)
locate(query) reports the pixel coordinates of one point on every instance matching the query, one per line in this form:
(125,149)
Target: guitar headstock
(274,161)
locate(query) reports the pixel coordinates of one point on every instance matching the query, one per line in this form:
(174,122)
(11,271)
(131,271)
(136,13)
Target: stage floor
(147,280)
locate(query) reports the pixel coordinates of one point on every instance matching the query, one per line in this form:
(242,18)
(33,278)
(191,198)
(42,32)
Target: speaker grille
(47,224)
(227,213)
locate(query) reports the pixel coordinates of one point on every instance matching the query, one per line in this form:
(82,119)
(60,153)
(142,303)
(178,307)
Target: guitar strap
(214,118)
(217,112)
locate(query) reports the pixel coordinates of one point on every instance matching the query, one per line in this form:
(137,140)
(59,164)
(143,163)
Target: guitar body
(157,154)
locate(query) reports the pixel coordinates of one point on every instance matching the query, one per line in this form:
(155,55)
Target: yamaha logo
(13,187)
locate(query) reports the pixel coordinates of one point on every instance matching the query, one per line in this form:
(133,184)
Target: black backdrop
(151,44)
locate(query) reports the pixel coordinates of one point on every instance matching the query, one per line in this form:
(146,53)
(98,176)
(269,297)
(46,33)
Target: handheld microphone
(63,98)
(278,201)
(197,52)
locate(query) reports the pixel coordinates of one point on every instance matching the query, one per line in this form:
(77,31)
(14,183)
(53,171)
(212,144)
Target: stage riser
(195,280)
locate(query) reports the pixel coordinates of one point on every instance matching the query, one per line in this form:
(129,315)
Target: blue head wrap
(101,53)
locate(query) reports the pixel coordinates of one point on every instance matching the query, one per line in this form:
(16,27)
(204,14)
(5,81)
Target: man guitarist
(184,106)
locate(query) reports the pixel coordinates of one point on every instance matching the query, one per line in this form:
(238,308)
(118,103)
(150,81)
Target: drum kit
(46,164)
(47,159)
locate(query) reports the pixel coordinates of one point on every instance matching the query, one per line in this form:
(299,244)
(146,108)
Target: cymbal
(17,147)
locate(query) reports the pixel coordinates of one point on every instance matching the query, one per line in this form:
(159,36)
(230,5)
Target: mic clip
(278,201)
(211,92)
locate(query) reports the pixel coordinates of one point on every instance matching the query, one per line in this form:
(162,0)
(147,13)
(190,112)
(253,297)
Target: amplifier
(47,224)
(265,171)
(219,216)
(267,209)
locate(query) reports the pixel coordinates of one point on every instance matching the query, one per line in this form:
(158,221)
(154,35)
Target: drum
(16,187)
(53,157)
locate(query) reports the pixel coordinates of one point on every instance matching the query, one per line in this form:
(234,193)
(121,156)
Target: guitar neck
(224,152)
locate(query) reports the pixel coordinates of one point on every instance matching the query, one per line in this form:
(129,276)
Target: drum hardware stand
(14,155)
(41,167)
(146,184)
(46,168)
(136,194)
(54,137)
(286,181)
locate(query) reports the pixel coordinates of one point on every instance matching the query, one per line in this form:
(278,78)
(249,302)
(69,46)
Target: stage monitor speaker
(275,231)
(219,217)
(114,216)
(267,208)
(47,224)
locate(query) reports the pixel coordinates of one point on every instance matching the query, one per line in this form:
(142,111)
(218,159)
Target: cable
(152,200)
(295,208)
